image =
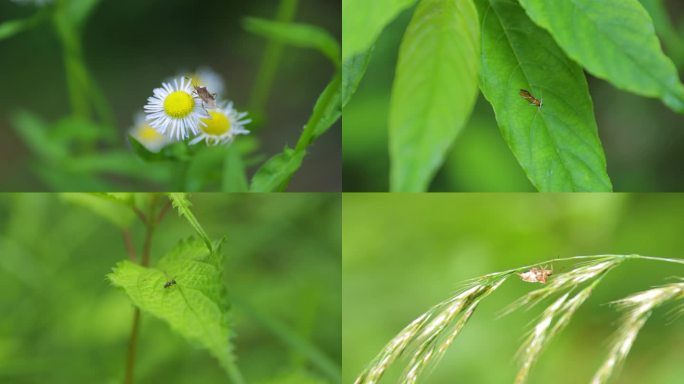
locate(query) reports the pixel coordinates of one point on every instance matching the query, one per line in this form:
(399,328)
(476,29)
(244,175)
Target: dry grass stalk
(639,307)
(429,336)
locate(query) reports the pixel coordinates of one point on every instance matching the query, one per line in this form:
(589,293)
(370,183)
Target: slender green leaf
(614,40)
(109,208)
(234,178)
(182,204)
(276,173)
(12,27)
(195,307)
(35,134)
(353,70)
(434,90)
(363,20)
(557,145)
(674,43)
(298,35)
(326,112)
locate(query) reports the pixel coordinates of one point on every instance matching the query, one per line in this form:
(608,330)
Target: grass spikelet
(639,308)
(428,337)
(553,320)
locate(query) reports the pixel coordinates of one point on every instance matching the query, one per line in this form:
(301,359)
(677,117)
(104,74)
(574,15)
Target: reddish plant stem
(132,347)
(128,243)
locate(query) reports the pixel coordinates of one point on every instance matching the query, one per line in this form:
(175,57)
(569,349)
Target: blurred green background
(63,323)
(403,253)
(642,139)
(131,46)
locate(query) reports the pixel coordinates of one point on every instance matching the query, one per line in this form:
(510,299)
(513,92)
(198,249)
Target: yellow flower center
(179,104)
(217,125)
(148,134)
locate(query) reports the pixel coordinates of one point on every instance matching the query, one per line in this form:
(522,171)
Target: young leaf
(434,90)
(298,35)
(614,40)
(353,70)
(363,20)
(182,204)
(326,112)
(194,306)
(276,173)
(108,207)
(557,145)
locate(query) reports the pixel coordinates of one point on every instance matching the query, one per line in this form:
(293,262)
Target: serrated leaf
(276,173)
(298,35)
(363,20)
(182,204)
(195,306)
(614,40)
(108,207)
(353,70)
(557,145)
(435,88)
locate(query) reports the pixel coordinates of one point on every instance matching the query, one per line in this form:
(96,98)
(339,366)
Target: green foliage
(557,145)
(362,22)
(353,70)
(182,204)
(111,207)
(195,307)
(614,40)
(434,90)
(528,44)
(12,27)
(298,35)
(275,174)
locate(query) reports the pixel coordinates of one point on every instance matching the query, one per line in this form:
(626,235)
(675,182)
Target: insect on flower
(536,275)
(525,94)
(208,98)
(170,283)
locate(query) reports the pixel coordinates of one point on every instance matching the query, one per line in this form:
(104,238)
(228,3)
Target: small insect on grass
(525,94)
(208,98)
(536,275)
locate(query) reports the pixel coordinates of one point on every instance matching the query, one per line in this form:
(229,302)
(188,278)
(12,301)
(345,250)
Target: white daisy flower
(148,136)
(174,111)
(225,123)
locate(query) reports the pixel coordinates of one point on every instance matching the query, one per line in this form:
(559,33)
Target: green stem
(270,61)
(634,256)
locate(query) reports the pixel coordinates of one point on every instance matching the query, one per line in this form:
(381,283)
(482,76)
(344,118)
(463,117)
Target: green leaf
(195,307)
(13,27)
(435,88)
(276,173)
(205,168)
(558,144)
(353,70)
(108,207)
(363,20)
(614,40)
(298,35)
(34,132)
(234,178)
(674,44)
(326,112)
(182,204)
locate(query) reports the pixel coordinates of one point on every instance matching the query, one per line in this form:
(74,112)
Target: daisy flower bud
(224,124)
(174,111)
(146,135)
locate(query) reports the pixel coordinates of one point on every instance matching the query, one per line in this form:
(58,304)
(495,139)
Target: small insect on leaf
(536,275)
(525,94)
(170,283)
